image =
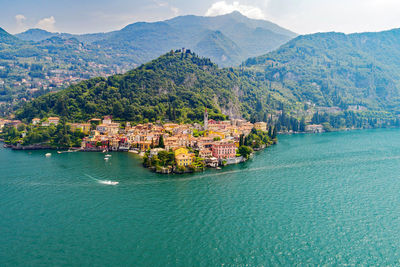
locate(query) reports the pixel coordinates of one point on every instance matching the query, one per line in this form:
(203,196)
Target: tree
(241,140)
(163,156)
(302,126)
(161,142)
(270,131)
(118,110)
(21,127)
(245,151)
(152,143)
(274,133)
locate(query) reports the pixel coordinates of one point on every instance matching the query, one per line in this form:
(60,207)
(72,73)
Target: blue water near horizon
(323,199)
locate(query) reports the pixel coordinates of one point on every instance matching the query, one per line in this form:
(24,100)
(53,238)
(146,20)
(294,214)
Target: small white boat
(48,155)
(106,159)
(108,156)
(59,152)
(108,182)
(218,168)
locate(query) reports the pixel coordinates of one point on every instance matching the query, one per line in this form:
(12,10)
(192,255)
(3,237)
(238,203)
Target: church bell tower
(205,119)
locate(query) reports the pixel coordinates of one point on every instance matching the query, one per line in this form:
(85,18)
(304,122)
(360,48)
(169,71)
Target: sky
(300,16)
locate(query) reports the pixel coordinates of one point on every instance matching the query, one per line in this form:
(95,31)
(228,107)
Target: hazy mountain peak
(6,37)
(242,36)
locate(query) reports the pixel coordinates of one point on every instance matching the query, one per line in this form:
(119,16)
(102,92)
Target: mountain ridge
(336,69)
(176,86)
(137,40)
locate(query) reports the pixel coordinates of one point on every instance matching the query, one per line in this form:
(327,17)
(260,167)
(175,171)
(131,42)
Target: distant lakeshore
(164,147)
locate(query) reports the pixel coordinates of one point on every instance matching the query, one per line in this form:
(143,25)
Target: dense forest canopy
(334,69)
(176,87)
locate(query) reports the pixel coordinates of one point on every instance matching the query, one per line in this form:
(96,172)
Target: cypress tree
(274,133)
(270,131)
(302,125)
(161,142)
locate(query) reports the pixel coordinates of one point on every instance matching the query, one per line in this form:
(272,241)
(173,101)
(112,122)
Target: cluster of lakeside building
(215,141)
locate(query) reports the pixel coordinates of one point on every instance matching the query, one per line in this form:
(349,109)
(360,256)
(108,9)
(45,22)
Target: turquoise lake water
(312,199)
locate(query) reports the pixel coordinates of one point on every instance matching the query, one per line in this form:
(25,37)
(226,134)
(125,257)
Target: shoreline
(157,169)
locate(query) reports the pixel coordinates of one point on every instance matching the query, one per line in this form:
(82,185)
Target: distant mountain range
(335,69)
(227,40)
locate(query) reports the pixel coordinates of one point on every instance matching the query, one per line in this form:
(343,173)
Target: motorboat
(108,182)
(48,155)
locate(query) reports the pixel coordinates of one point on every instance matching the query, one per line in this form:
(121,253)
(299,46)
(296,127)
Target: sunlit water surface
(312,199)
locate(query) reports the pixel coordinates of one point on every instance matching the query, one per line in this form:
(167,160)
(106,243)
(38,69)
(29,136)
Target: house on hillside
(314,128)
(205,153)
(53,120)
(35,121)
(260,126)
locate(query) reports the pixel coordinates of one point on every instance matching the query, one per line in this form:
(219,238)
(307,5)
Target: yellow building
(84,127)
(144,145)
(181,150)
(183,159)
(215,134)
(260,126)
(170,126)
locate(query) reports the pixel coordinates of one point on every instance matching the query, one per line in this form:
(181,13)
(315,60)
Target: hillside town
(211,144)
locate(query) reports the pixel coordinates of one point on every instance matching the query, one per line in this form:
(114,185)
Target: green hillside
(334,69)
(6,38)
(217,45)
(177,87)
(29,69)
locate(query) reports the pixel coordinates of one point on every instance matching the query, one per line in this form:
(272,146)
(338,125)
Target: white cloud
(162,4)
(20,21)
(309,16)
(174,10)
(222,7)
(47,24)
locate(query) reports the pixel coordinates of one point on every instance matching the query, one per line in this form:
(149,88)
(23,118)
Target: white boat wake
(106,182)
